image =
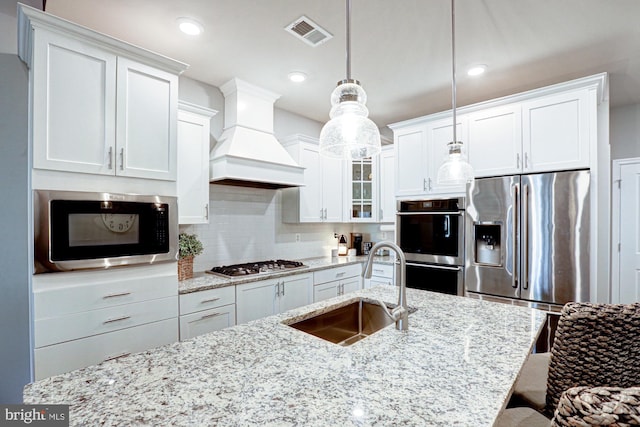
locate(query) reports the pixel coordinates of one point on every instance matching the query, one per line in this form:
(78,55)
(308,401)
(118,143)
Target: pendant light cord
(453,69)
(348,39)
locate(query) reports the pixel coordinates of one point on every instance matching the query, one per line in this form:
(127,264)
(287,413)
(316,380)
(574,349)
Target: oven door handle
(433,213)
(440,267)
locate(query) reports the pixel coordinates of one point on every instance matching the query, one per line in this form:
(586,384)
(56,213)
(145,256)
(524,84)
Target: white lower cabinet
(260,299)
(85,317)
(207,311)
(332,282)
(381,274)
(68,356)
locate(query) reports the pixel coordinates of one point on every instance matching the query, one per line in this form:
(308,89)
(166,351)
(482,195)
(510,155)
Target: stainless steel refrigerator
(528,237)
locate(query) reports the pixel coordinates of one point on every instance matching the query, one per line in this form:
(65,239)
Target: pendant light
(350,134)
(455,170)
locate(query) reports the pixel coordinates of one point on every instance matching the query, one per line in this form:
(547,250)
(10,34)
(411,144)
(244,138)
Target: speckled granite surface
(454,367)
(203,281)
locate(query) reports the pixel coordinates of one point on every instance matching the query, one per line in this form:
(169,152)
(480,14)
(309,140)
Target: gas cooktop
(256,268)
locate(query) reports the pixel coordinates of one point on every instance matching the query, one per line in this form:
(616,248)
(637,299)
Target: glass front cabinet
(362,190)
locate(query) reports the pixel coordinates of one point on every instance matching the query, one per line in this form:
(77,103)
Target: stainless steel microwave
(78,230)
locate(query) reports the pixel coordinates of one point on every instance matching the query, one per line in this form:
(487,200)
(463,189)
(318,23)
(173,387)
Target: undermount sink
(347,324)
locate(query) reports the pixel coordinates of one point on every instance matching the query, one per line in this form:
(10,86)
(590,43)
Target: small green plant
(189,245)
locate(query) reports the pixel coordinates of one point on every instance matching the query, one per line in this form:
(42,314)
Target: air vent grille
(308,31)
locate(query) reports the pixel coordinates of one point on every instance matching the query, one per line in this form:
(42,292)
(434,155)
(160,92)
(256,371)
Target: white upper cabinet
(361,189)
(74,99)
(146,121)
(556,131)
(321,198)
(495,141)
(99,105)
(410,144)
(548,129)
(543,134)
(387,184)
(421,148)
(194,125)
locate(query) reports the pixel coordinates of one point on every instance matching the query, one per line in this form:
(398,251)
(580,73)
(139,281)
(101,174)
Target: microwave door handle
(438,267)
(514,235)
(433,213)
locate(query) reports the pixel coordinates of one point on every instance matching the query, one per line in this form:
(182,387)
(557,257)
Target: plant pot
(185,268)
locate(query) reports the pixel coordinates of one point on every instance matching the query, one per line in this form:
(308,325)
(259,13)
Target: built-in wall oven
(77,230)
(431,234)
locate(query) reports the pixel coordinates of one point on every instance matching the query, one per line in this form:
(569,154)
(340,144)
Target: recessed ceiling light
(297,76)
(190,26)
(476,70)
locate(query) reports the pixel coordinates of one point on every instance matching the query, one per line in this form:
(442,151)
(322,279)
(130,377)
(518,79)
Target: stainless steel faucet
(400,314)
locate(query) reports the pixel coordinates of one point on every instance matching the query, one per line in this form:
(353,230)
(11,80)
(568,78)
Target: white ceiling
(401,49)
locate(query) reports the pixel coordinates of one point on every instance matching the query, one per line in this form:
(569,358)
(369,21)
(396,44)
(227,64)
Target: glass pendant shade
(455,171)
(350,134)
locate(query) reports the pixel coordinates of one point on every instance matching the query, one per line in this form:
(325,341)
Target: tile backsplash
(245,224)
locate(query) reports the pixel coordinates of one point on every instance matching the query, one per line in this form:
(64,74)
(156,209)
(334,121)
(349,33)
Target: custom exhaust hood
(247,153)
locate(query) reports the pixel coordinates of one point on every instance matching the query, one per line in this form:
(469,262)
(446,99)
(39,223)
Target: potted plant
(188,247)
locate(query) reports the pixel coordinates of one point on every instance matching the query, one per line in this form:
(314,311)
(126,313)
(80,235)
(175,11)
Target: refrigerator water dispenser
(487,244)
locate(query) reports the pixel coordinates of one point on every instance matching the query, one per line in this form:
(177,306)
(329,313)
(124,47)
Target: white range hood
(247,153)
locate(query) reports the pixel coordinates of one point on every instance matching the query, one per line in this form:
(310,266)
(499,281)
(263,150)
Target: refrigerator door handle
(514,234)
(525,235)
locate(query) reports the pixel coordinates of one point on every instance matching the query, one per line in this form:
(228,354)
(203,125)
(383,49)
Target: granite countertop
(203,281)
(454,366)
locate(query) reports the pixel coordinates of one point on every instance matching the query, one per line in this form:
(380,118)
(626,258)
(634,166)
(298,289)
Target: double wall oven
(431,234)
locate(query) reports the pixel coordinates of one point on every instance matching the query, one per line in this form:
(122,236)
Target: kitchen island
(454,367)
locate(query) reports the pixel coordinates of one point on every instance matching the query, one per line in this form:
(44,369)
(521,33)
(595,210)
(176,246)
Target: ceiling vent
(308,31)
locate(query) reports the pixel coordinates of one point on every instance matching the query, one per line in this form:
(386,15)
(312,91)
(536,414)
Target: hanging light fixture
(455,170)
(350,134)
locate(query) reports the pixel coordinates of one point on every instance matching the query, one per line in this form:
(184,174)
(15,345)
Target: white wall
(625,131)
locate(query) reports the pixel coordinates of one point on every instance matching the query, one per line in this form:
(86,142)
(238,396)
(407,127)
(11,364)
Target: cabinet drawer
(202,322)
(382,270)
(203,300)
(65,357)
(337,273)
(59,294)
(54,330)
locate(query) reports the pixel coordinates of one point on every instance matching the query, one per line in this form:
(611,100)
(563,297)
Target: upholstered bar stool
(596,345)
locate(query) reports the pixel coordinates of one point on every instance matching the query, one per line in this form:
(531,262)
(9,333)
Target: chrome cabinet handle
(282,289)
(277,290)
(325,213)
(321,213)
(117,319)
(205,301)
(117,356)
(209,316)
(430,187)
(206,211)
(526,160)
(121,294)
(517,160)
(122,159)
(378,271)
(110,158)
(340,274)
(424,184)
